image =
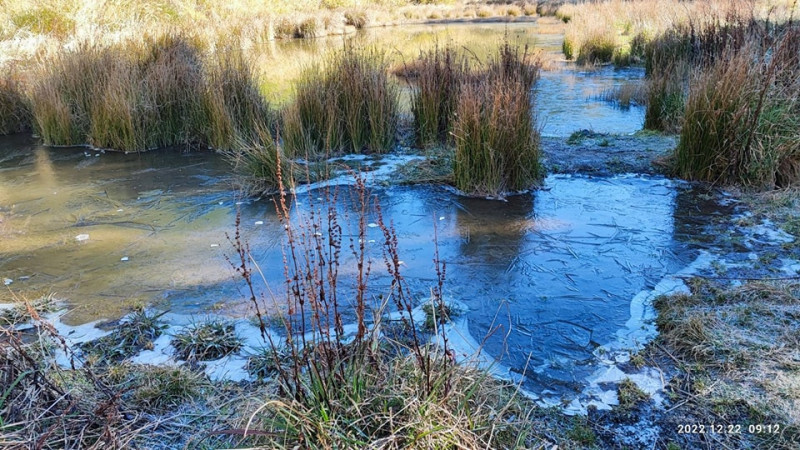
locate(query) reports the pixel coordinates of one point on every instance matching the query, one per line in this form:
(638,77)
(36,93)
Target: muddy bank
(589,153)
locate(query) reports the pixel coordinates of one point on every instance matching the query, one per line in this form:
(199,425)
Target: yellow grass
(620,21)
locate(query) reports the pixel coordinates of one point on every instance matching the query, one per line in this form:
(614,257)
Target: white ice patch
(790,267)
(382,170)
(638,331)
(768,233)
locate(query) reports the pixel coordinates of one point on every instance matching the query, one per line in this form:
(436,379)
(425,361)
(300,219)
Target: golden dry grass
(619,22)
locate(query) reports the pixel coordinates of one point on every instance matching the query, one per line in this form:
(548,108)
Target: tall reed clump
(347,104)
(742,118)
(496,142)
(360,385)
(235,110)
(137,96)
(14,108)
(439,76)
(667,67)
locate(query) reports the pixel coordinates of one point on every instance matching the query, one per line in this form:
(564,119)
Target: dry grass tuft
(349,104)
(497,144)
(139,96)
(737,348)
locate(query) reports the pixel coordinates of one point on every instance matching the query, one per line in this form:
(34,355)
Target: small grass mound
(157,389)
(207,341)
(630,395)
(438,315)
(348,104)
(134,334)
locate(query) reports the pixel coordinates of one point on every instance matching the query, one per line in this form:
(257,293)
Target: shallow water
(566,96)
(552,272)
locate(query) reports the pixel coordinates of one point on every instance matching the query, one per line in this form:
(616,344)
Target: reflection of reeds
(626,94)
(349,104)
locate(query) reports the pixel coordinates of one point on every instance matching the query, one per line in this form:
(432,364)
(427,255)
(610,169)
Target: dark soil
(591,153)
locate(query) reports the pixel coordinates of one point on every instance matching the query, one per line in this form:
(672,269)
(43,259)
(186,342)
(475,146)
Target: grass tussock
(741,115)
(14,108)
(261,163)
(209,340)
(383,407)
(597,47)
(497,144)
(438,77)
(347,104)
(137,96)
(134,334)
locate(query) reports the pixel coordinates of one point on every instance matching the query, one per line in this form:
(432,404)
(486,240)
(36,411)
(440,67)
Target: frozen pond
(555,270)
